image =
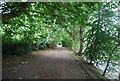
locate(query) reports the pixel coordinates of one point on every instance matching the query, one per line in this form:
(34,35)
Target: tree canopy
(89,28)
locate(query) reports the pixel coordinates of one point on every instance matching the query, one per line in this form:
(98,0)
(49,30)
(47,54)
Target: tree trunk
(110,59)
(74,48)
(91,59)
(106,67)
(51,44)
(81,40)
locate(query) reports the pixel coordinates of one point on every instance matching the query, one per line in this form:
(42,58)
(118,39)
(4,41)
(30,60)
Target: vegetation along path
(49,64)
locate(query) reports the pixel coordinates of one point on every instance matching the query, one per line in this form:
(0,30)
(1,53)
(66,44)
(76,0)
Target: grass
(74,55)
(91,67)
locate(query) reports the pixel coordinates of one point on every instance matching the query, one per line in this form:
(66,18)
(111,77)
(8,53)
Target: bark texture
(81,40)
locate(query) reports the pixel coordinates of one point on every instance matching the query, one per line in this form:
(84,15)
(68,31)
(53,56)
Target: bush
(67,43)
(36,47)
(15,49)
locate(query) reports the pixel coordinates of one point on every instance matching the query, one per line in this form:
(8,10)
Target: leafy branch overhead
(89,29)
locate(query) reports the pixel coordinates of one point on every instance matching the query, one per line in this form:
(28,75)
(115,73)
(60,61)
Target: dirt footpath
(49,64)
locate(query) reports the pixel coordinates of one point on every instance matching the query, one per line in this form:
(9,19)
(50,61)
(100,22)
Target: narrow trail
(49,64)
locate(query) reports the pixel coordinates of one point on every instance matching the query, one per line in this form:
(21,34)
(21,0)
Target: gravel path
(49,64)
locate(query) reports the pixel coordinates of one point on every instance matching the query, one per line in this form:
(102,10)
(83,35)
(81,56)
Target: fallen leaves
(20,78)
(16,60)
(36,77)
(24,62)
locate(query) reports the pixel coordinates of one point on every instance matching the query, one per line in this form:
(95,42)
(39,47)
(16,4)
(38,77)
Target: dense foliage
(87,28)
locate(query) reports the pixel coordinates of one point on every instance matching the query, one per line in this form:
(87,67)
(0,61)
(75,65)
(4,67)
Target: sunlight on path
(59,45)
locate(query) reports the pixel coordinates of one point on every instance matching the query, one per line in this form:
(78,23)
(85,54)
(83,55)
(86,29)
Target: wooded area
(90,29)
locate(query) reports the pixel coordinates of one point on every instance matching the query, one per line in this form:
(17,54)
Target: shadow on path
(49,64)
